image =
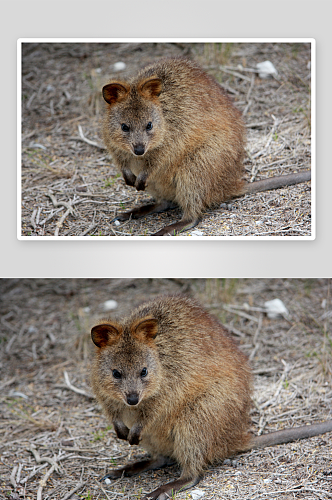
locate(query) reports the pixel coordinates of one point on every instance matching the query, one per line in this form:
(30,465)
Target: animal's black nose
(132,399)
(139,149)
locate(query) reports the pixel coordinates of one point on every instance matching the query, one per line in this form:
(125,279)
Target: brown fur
(195,372)
(192,156)
(192,406)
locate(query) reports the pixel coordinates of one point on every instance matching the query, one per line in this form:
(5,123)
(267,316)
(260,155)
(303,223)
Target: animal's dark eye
(144,372)
(149,126)
(124,127)
(116,374)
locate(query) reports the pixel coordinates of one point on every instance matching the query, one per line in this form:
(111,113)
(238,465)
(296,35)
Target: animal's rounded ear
(146,329)
(151,87)
(104,334)
(115,92)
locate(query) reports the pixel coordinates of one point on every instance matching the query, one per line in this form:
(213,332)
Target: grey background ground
(61,91)
(44,331)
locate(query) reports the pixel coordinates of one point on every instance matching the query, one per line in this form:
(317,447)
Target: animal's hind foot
(138,467)
(168,490)
(178,227)
(151,208)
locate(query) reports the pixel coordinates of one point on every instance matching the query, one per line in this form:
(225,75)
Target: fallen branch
(8,382)
(75,389)
(32,220)
(43,481)
(60,222)
(12,476)
(39,460)
(71,492)
(57,203)
(93,226)
(88,141)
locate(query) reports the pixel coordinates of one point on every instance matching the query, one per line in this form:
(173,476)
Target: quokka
(171,379)
(173,131)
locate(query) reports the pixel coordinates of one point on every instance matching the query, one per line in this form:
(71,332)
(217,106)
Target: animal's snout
(132,398)
(139,149)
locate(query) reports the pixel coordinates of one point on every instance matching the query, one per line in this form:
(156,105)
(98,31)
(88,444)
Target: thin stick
(93,226)
(88,141)
(235,73)
(32,474)
(60,222)
(43,481)
(8,382)
(77,487)
(32,220)
(40,459)
(75,389)
(57,203)
(12,476)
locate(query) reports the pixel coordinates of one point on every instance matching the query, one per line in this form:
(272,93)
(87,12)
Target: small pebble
(266,69)
(196,494)
(108,481)
(117,222)
(109,305)
(276,309)
(119,66)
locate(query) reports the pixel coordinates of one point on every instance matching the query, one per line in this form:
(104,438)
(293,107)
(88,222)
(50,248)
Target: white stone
(107,481)
(276,309)
(117,222)
(109,305)
(196,494)
(266,69)
(197,233)
(119,66)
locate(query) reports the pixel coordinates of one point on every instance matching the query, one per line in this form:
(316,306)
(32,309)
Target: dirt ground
(56,444)
(71,188)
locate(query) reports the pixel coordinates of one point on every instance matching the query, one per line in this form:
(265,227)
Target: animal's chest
(136,165)
(129,417)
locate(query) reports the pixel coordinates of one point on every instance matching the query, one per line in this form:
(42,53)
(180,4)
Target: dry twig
(75,389)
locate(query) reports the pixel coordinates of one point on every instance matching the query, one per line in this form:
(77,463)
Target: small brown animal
(171,379)
(173,131)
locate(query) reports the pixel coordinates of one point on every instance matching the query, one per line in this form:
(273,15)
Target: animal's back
(205,135)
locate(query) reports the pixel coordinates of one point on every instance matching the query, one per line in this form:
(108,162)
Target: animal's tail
(277,182)
(289,435)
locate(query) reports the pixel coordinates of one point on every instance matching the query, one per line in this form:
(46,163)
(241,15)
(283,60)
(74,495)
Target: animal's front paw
(140,183)
(121,429)
(129,177)
(134,435)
